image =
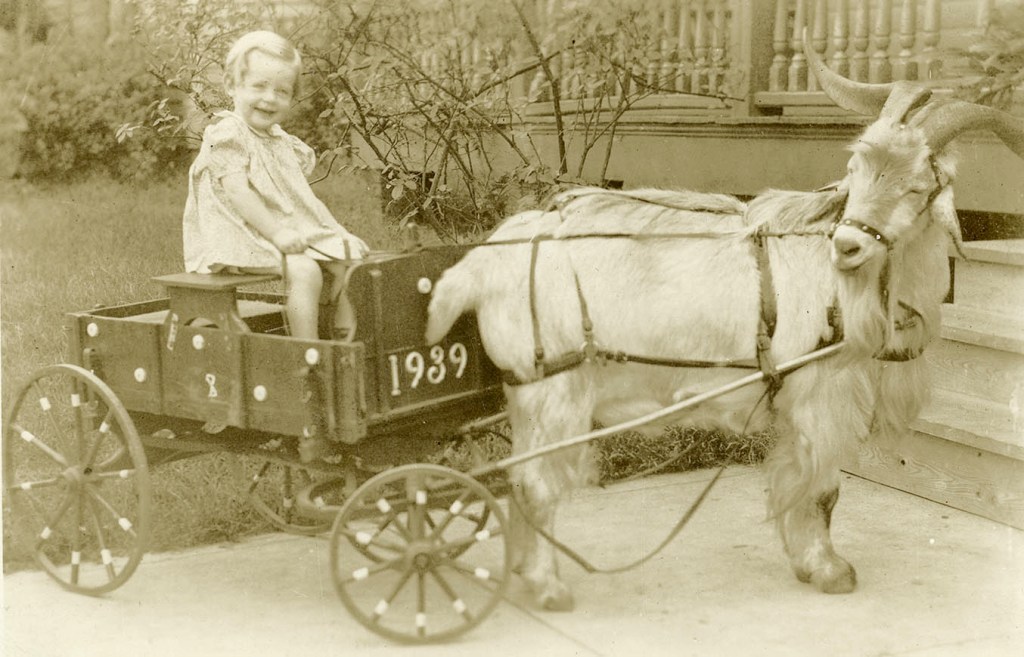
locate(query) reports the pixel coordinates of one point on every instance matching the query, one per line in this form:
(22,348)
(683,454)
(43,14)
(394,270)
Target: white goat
(875,247)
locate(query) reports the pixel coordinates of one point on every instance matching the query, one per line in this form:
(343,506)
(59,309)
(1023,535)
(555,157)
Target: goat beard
(900,388)
(865,319)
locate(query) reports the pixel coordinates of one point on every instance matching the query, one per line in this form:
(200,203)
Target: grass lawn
(74,246)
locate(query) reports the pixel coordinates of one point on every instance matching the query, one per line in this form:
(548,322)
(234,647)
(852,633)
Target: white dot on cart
(312,356)
(259,393)
(93,329)
(931,541)
(424,285)
(198,342)
(140,375)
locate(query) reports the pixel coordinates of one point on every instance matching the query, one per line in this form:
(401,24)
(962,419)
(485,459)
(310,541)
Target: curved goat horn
(859,97)
(947,121)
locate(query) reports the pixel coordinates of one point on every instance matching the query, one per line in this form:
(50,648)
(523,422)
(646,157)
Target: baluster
(666,74)
(540,89)
(717,72)
(699,77)
(859,61)
(819,37)
(780,41)
(984,16)
(880,69)
(575,86)
(841,39)
(930,62)
(798,64)
(905,68)
(684,70)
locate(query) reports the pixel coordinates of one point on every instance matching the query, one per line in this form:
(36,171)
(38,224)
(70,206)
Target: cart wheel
(419,553)
(272,491)
(77,480)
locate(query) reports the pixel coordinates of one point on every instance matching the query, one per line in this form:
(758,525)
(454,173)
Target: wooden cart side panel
(402,372)
(292,384)
(124,354)
(203,374)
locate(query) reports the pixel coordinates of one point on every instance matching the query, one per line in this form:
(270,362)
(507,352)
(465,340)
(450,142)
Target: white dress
(216,237)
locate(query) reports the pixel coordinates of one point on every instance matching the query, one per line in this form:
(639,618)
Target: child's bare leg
(344,314)
(305,281)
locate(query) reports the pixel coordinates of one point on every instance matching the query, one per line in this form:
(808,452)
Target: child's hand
(357,246)
(289,241)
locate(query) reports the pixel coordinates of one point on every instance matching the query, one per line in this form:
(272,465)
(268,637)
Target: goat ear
(905,98)
(944,211)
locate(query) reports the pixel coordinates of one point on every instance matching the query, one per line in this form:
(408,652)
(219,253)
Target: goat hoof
(838,579)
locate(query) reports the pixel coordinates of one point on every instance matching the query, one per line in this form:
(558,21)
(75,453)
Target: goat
(875,247)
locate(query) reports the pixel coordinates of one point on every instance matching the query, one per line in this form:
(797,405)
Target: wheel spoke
(32,485)
(34,440)
(104,431)
(385,603)
(126,473)
(45,403)
(366,572)
(466,541)
(421,604)
(76,537)
(476,574)
(453,512)
(371,539)
(51,522)
(457,604)
(122,520)
(105,555)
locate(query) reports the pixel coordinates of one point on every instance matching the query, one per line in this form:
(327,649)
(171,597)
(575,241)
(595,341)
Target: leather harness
(590,351)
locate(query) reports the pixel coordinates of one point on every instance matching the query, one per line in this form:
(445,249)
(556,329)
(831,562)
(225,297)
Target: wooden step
(981,354)
(963,452)
(996,376)
(983,327)
(974,422)
(992,277)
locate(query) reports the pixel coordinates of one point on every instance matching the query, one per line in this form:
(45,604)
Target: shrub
(997,59)
(74,98)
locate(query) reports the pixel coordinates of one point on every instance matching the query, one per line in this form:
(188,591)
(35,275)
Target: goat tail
(454,294)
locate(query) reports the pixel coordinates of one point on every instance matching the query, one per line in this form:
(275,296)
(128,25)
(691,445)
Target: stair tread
(972,421)
(983,327)
(1007,252)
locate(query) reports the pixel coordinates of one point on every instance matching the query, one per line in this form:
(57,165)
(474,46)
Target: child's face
(263,96)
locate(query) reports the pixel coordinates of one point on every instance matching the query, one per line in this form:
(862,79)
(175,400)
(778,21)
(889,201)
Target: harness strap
(591,568)
(538,346)
(768,319)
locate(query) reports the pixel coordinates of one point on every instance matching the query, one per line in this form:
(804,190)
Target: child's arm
(250,206)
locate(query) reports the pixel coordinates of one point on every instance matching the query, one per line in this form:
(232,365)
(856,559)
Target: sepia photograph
(562,328)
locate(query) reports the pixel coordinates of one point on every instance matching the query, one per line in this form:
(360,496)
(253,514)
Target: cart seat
(212,297)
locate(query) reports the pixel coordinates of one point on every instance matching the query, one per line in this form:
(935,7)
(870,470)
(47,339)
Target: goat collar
(941,182)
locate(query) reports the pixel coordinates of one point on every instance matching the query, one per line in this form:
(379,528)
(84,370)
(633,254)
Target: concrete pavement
(933,582)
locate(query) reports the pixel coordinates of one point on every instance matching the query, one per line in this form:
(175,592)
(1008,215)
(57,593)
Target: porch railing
(753,50)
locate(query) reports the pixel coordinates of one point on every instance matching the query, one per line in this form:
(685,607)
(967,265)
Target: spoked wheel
(419,553)
(272,492)
(77,480)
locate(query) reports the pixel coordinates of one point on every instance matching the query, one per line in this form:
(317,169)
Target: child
(250,208)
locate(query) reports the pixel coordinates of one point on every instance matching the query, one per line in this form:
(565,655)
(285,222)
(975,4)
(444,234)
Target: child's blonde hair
(269,43)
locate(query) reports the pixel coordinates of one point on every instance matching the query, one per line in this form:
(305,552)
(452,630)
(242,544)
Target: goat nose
(846,247)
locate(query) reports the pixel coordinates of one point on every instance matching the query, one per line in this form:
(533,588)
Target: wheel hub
(420,555)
